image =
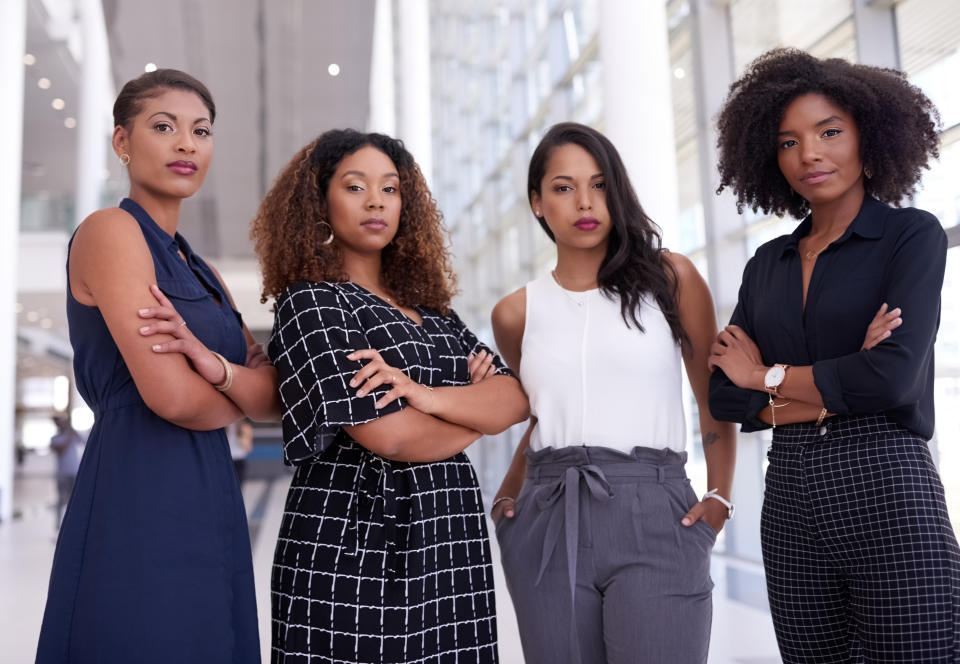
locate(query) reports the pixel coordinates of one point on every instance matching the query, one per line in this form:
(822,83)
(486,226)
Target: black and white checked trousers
(862,564)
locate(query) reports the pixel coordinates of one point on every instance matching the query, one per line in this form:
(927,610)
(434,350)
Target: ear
(536,205)
(121,141)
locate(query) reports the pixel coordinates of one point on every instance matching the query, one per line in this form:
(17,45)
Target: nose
(375,200)
(186,143)
(583,199)
(810,152)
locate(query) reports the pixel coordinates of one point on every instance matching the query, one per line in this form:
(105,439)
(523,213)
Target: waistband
(841,426)
(641,462)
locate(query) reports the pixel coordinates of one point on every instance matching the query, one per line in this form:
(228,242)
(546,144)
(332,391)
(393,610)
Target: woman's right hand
(881,326)
(480,366)
(504,509)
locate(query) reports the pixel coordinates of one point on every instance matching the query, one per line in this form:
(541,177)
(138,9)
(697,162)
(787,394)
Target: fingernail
(144,312)
(686,521)
(361,393)
(157,347)
(353,383)
(144,329)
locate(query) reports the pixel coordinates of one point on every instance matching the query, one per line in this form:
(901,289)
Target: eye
(789,143)
(202,131)
(354,187)
(163,127)
(562,188)
(600,185)
(830,133)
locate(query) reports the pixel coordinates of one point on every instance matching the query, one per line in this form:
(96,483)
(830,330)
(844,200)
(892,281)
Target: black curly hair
(898,127)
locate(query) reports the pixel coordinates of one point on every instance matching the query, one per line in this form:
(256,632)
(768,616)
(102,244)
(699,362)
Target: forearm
(413,436)
(255,393)
(791,412)
(490,406)
(513,480)
(720,452)
(205,412)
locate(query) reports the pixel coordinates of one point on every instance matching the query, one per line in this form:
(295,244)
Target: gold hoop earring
(867,173)
(124,159)
(329,240)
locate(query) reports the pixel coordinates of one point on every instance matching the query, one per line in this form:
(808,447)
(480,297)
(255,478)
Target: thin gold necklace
(810,254)
(374,291)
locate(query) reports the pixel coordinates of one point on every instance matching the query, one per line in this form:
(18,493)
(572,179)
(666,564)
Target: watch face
(774,377)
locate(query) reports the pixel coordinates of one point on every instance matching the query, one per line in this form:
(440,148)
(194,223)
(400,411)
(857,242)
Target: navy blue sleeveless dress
(153,560)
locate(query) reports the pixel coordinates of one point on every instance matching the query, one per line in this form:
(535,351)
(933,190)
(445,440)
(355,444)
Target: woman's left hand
(377,372)
(713,512)
(738,356)
(165,320)
(480,366)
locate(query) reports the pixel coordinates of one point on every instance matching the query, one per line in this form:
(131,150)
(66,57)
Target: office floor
(741,634)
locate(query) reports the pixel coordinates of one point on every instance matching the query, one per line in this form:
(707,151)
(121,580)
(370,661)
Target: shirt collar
(868,224)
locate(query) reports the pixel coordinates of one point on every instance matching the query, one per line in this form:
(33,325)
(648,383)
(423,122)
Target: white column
(638,110)
(876,28)
(413,36)
(93,121)
(383,112)
(13,35)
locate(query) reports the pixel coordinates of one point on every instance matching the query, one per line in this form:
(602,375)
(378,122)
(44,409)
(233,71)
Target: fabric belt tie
(374,479)
(568,486)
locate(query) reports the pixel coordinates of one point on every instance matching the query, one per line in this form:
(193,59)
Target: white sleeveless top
(594,381)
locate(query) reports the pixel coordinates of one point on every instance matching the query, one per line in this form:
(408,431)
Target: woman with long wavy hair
(605,545)
(383,554)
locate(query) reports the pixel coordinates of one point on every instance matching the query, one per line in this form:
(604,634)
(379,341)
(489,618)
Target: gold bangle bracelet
(227,382)
(823,414)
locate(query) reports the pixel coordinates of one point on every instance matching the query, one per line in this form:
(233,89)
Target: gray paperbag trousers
(599,567)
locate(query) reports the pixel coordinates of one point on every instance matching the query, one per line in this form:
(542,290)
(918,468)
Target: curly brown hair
(897,122)
(290,238)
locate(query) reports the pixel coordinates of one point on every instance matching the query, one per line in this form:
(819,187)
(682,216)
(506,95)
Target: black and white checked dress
(377,561)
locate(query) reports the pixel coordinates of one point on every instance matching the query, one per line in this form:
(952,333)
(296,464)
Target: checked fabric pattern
(861,561)
(377,561)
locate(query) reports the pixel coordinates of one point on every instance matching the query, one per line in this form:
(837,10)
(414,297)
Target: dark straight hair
(152,84)
(634,265)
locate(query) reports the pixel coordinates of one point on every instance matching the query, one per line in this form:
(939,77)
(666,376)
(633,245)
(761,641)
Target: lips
(374,223)
(586,224)
(182,167)
(815,177)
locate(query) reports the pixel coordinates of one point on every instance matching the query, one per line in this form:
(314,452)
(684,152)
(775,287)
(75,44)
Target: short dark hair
(897,123)
(130,100)
(634,264)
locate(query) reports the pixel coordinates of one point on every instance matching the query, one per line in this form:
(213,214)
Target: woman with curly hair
(383,553)
(605,545)
(860,557)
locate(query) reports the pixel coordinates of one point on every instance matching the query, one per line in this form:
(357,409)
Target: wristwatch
(773,379)
(712,493)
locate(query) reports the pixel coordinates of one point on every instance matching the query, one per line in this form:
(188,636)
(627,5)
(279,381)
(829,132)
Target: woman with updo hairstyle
(383,553)
(832,345)
(153,560)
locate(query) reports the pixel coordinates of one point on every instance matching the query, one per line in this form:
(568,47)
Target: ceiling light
(679,72)
(69,123)
(149,67)
(33,316)
(19,307)
(29,59)
(43,83)
(333,69)
(58,103)
(46,323)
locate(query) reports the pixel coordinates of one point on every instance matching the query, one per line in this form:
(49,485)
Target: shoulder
(306,295)
(509,313)
(682,265)
(111,227)
(913,222)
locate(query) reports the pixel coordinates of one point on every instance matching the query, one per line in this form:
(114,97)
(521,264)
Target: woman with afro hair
(831,343)
(383,553)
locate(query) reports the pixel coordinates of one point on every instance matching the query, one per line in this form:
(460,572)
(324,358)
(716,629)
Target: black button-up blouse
(892,255)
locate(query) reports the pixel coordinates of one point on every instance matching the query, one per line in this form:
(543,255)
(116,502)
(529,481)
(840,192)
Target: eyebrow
(391,174)
(570,179)
(832,118)
(174,117)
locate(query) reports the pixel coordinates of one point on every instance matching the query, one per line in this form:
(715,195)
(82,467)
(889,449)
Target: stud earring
(329,228)
(537,213)
(867,173)
(124,159)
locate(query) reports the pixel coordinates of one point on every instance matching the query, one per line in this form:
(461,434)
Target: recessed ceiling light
(58,103)
(333,69)
(679,72)
(149,67)
(69,123)
(46,323)
(43,83)
(29,59)
(33,316)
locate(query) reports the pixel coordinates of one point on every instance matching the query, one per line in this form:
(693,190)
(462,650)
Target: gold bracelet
(823,414)
(227,371)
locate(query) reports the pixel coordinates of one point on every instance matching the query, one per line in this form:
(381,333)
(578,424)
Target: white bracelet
(500,500)
(713,493)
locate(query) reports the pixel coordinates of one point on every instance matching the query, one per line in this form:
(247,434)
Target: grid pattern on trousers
(861,561)
(377,561)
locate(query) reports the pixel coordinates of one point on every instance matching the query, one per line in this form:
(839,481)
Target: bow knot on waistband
(373,484)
